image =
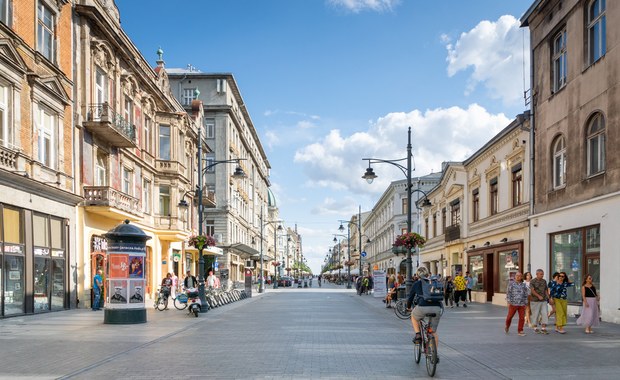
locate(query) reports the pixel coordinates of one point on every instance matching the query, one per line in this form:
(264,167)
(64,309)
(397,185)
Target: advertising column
(126,257)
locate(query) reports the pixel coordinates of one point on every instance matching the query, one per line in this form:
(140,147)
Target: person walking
(559,294)
(470,284)
(516,296)
(175,285)
(539,295)
(448,289)
(460,289)
(551,284)
(590,313)
(527,277)
(190,281)
(97,288)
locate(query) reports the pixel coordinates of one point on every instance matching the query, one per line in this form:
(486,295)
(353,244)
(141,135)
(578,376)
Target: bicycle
(428,345)
(161,300)
(400,309)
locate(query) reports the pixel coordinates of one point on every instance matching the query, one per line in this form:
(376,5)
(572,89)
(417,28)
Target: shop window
(570,250)
(509,265)
(58,263)
(476,269)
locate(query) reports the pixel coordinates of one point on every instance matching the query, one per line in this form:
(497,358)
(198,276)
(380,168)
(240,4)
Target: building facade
(242,220)
(574,102)
(38,254)
(478,218)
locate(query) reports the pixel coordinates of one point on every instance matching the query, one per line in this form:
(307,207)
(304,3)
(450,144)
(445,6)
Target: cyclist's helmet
(422,272)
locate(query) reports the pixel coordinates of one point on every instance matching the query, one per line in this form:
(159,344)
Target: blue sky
(328,82)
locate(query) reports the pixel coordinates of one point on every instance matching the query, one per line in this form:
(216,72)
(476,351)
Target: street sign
(363,253)
(216,265)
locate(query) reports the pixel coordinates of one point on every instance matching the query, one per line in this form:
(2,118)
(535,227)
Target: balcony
(453,233)
(208,199)
(110,126)
(171,167)
(109,202)
(8,159)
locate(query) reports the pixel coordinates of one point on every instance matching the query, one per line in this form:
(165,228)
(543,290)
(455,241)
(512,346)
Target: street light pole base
(349,286)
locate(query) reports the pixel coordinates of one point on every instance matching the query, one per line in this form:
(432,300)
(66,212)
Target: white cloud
(442,134)
(356,6)
(498,56)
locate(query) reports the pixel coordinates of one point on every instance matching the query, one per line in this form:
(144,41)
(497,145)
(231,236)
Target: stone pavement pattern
(327,333)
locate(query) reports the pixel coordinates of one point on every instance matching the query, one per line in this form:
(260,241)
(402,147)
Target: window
(210,227)
(101,169)
(45,31)
(475,196)
(148,134)
(517,185)
(101,86)
(559,162)
(596,145)
(164,200)
(4,11)
(443,220)
(47,123)
(189,94)
(596,30)
(6,137)
(146,196)
(509,265)
(127,181)
(210,128)
(426,227)
(494,196)
(404,202)
(209,163)
(570,251)
(559,61)
(434,224)
(128,111)
(455,213)
(164,142)
(221,85)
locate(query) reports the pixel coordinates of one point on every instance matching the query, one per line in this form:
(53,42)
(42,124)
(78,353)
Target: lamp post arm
(215,163)
(402,168)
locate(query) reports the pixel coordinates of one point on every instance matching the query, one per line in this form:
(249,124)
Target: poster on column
(380,289)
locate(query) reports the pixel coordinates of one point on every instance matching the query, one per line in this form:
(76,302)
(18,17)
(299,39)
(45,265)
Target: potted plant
(201,241)
(407,241)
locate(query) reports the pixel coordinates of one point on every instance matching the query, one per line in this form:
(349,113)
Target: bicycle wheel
(161,304)
(431,356)
(400,309)
(417,352)
(178,304)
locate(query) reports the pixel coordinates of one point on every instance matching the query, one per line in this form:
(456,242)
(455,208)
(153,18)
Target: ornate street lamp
(370,175)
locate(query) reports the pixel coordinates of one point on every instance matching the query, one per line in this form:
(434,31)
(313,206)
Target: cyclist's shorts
(419,312)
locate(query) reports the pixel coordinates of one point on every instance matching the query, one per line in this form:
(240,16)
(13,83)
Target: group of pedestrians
(458,289)
(364,284)
(536,296)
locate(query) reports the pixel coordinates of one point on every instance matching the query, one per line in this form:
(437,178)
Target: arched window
(596,145)
(596,30)
(559,162)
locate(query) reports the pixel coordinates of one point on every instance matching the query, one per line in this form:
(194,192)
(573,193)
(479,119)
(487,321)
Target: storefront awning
(244,251)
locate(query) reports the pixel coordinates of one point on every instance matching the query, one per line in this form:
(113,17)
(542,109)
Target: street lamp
(370,175)
(239,173)
(339,262)
(341,229)
(261,285)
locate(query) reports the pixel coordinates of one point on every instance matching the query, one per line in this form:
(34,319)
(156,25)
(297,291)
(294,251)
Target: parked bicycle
(428,345)
(400,309)
(161,298)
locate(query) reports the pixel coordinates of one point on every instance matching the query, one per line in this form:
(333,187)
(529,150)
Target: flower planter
(399,250)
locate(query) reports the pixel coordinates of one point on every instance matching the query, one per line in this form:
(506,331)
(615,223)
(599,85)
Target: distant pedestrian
(516,296)
(190,281)
(527,277)
(97,289)
(175,285)
(559,294)
(590,313)
(539,295)
(365,284)
(460,289)
(551,284)
(469,284)
(448,288)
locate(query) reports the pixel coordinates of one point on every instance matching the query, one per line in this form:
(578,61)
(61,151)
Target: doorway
(489,279)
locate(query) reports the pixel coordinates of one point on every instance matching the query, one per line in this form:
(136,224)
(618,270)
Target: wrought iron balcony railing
(101,119)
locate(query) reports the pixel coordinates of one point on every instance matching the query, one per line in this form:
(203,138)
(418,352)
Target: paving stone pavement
(291,333)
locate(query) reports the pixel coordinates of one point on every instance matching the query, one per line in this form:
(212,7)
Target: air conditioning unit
(249,263)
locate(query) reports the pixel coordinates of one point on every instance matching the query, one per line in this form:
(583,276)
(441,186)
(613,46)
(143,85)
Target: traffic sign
(216,265)
(363,253)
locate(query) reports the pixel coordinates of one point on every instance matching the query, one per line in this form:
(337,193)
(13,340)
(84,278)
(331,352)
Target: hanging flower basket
(288,269)
(409,240)
(201,241)
(349,263)
(399,250)
(275,263)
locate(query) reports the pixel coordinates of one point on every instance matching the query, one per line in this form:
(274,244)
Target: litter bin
(401,292)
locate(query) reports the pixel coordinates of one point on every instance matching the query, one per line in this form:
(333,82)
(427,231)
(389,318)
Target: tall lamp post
(339,250)
(341,229)
(370,175)
(239,173)
(261,284)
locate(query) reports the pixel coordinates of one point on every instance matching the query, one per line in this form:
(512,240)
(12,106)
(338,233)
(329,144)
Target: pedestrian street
(292,333)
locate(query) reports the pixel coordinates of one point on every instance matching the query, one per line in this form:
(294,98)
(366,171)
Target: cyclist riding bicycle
(423,306)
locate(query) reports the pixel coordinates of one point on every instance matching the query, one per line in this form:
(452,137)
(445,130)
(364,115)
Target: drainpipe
(532,152)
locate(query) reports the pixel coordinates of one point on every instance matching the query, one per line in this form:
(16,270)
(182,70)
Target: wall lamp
(488,243)
(504,240)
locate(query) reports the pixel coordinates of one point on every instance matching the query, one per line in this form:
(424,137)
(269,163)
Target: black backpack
(432,289)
